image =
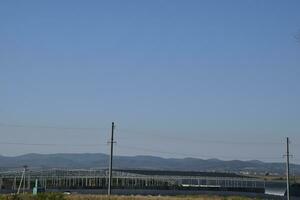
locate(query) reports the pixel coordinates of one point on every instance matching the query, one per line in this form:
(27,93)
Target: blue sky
(208,79)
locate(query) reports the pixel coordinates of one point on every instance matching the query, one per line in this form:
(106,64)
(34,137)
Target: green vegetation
(59,196)
(192,197)
(42,196)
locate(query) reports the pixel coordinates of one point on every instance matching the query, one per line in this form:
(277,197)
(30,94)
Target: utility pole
(111,158)
(287,168)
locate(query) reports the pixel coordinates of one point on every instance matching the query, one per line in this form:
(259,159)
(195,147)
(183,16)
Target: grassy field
(58,196)
(202,197)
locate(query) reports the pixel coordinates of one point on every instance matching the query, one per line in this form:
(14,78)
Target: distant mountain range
(88,161)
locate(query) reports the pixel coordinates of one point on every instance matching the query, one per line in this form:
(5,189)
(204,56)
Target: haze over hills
(97,160)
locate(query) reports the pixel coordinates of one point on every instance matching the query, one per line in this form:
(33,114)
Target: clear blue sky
(209,79)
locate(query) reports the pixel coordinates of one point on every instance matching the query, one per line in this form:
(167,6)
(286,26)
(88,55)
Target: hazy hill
(140,162)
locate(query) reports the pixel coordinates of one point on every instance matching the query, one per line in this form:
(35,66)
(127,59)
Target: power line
(48,144)
(150,150)
(155,136)
(134,148)
(145,150)
(50,127)
(190,155)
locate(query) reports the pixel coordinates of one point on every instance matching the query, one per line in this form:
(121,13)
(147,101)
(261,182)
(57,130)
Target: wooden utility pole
(287,168)
(111,158)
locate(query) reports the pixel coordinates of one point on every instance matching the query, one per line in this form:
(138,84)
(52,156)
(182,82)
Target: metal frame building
(129,179)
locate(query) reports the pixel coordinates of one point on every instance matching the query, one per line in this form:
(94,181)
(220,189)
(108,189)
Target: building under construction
(64,179)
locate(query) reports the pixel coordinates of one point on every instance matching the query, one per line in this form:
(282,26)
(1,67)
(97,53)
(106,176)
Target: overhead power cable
(186,155)
(48,144)
(156,136)
(134,148)
(51,127)
(192,155)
